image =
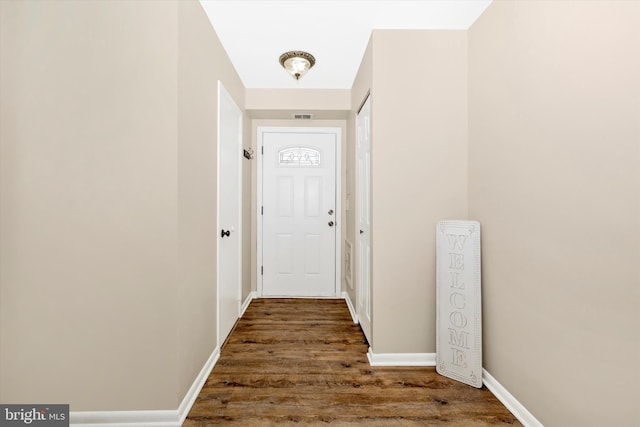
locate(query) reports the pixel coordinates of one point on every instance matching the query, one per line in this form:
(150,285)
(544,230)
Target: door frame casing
(261,131)
(368,331)
(223,92)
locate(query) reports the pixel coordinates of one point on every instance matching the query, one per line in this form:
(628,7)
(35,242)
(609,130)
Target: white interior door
(363,123)
(299,214)
(229,212)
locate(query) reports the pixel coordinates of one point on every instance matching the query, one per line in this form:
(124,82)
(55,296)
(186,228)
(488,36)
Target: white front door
(363,123)
(229,212)
(299,213)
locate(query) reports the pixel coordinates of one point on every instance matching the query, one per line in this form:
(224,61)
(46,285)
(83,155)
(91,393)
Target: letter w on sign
(456,241)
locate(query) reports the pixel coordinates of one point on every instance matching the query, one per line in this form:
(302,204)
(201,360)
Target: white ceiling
(256,32)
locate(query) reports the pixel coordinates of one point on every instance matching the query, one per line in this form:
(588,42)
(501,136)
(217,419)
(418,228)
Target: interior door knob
(330,223)
(361,231)
(224,233)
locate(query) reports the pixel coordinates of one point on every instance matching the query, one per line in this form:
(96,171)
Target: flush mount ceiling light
(297,62)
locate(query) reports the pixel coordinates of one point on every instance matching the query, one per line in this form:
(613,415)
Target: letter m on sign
(456,241)
(458,339)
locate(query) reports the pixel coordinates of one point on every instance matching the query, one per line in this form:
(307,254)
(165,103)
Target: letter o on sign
(458,319)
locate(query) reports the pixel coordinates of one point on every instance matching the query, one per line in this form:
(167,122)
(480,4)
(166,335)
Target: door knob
(330,223)
(330,212)
(361,231)
(224,233)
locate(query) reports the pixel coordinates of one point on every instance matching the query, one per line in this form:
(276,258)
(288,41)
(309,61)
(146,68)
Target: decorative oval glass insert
(299,156)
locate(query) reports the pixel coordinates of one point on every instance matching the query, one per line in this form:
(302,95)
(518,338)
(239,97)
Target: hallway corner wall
(554,179)
(248,209)
(419,176)
(202,61)
(88,206)
(108,133)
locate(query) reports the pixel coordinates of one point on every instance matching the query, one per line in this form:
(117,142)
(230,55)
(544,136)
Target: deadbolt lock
(330,212)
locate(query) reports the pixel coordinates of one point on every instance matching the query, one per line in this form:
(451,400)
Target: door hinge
(261,210)
(263,149)
(262,270)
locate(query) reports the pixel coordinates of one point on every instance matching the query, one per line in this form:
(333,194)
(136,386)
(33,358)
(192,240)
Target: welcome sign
(458,301)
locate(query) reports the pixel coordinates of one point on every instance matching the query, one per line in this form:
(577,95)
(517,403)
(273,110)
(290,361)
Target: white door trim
(363,196)
(338,209)
(222,91)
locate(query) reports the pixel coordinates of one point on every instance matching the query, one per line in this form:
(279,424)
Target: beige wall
(554,109)
(419,176)
(298,99)
(282,104)
(107,210)
(248,213)
(202,61)
(88,209)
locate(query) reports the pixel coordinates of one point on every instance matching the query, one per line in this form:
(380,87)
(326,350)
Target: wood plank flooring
(303,362)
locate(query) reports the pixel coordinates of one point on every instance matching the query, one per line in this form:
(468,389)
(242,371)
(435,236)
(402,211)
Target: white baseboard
(124,418)
(160,418)
(429,359)
(352,310)
(198,383)
(401,359)
(509,401)
(247,301)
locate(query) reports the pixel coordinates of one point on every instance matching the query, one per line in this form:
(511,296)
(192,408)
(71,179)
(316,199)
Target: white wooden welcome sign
(458,302)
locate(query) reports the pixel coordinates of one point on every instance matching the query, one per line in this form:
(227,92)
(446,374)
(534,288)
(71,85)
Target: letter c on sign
(458,300)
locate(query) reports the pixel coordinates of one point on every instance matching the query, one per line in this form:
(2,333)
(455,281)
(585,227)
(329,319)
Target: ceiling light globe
(297,63)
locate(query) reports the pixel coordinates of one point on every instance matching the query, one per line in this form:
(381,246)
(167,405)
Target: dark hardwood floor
(303,362)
